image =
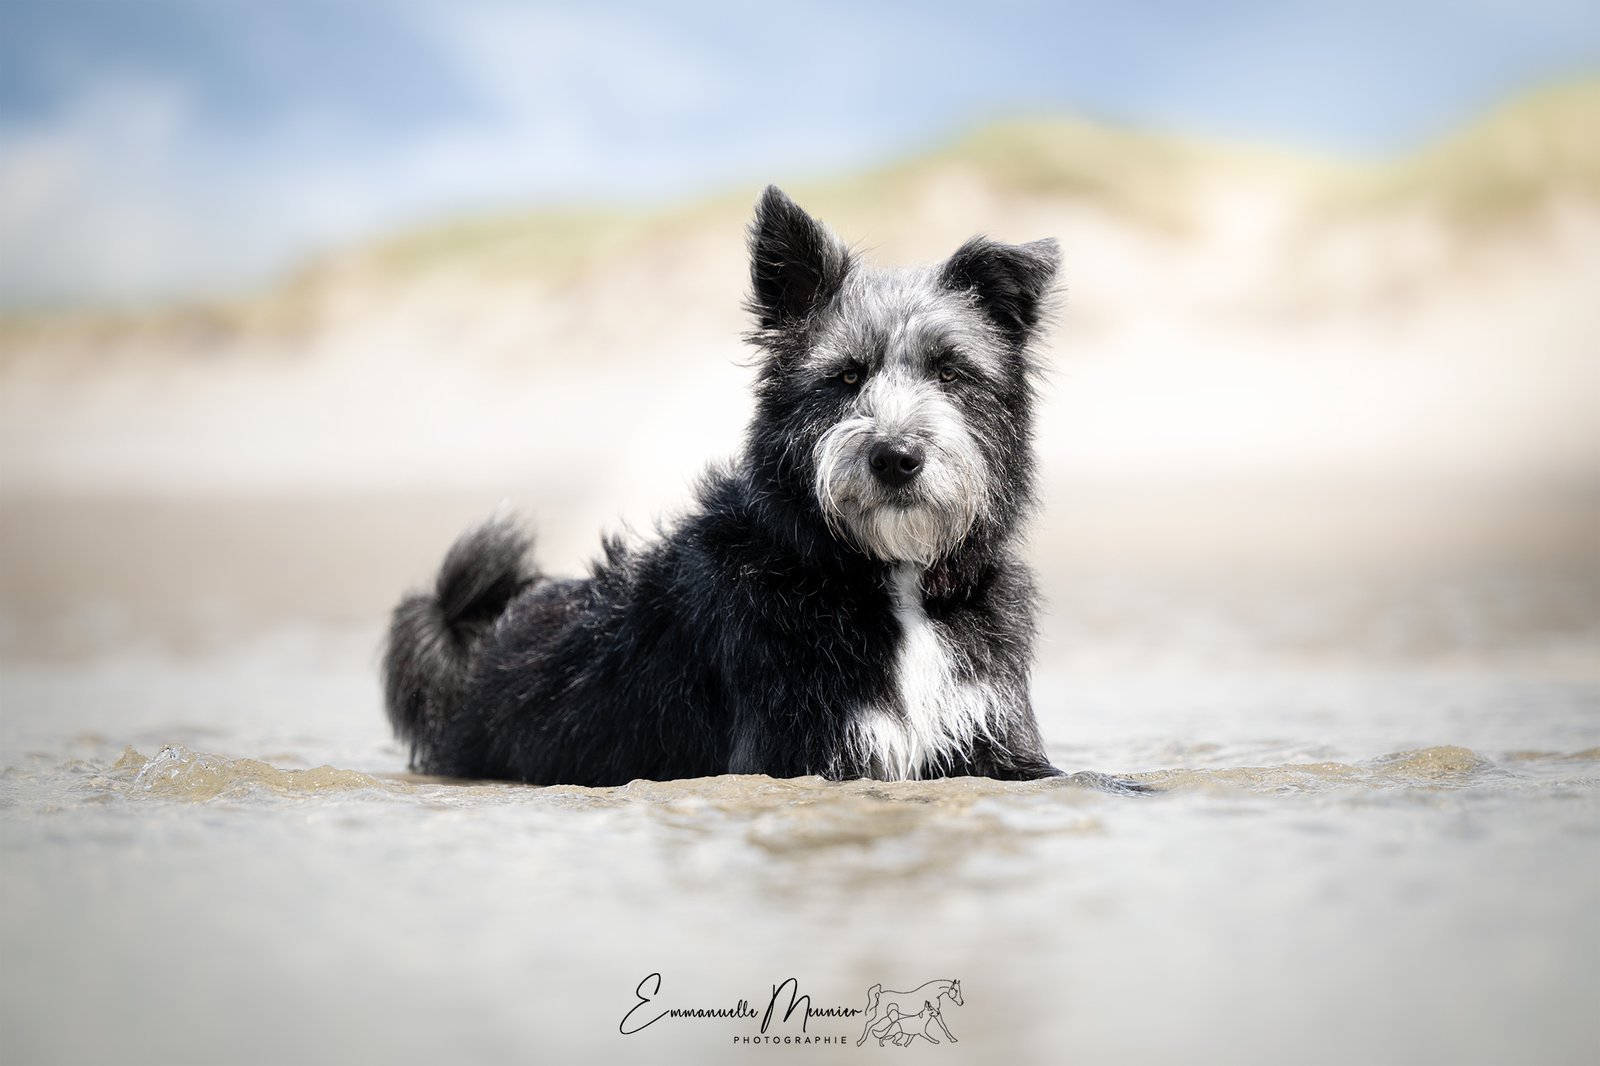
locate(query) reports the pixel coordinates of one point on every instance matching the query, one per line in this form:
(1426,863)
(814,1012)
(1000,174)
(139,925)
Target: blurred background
(292,292)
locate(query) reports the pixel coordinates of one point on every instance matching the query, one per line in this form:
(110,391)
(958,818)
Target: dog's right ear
(796,263)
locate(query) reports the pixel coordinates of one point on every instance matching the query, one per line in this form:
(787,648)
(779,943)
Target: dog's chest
(939,708)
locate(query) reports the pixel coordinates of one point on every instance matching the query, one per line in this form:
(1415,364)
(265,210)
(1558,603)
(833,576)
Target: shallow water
(217,857)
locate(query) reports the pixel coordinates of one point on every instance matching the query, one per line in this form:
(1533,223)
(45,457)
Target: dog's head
(900,399)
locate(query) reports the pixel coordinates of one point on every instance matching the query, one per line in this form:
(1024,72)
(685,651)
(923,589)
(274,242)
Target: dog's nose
(895,464)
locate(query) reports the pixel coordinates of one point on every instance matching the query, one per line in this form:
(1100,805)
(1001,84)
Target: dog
(895,1026)
(845,599)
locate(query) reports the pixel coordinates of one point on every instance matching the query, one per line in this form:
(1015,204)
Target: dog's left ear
(1010,281)
(796,264)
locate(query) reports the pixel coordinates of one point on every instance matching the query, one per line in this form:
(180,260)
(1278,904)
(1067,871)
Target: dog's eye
(851,377)
(948,374)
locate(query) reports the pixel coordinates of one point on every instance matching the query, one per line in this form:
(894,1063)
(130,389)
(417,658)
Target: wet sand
(1285,895)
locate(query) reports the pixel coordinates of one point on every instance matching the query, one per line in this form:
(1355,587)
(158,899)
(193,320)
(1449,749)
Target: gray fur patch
(900,328)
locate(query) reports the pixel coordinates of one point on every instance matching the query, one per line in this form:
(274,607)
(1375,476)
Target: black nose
(895,464)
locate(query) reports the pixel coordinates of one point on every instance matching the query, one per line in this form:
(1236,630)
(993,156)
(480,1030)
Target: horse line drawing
(889,1019)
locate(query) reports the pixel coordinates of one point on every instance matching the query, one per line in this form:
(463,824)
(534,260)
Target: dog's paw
(1115,784)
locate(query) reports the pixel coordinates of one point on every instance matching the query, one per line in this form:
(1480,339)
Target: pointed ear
(1011,282)
(796,264)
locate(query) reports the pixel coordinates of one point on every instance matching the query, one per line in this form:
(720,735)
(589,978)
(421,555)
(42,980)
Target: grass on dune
(1491,174)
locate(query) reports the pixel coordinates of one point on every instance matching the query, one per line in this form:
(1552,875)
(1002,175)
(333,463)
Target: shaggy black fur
(750,638)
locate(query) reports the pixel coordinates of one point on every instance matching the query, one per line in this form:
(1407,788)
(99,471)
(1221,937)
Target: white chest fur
(939,713)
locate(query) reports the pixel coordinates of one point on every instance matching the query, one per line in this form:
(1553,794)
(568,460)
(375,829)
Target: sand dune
(1269,355)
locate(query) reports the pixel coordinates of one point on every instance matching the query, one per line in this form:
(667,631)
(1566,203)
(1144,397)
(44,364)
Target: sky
(153,149)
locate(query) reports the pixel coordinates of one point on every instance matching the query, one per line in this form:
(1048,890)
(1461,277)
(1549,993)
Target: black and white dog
(845,599)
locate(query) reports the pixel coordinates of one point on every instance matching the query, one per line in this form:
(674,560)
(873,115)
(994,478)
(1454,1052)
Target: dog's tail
(432,637)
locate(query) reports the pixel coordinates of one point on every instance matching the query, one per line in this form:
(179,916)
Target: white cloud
(127,192)
(130,183)
(95,200)
(532,65)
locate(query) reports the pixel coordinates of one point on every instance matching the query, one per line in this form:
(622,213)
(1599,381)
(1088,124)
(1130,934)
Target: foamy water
(218,857)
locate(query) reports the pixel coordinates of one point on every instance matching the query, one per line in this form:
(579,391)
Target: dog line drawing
(895,1028)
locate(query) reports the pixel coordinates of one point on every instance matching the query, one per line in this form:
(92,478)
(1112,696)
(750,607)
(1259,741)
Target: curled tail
(432,637)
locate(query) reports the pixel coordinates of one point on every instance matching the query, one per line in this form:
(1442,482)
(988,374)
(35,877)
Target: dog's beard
(918,534)
(918,523)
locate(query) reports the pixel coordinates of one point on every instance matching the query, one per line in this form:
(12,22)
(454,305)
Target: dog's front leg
(747,754)
(794,740)
(1013,752)
(783,742)
(1027,768)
